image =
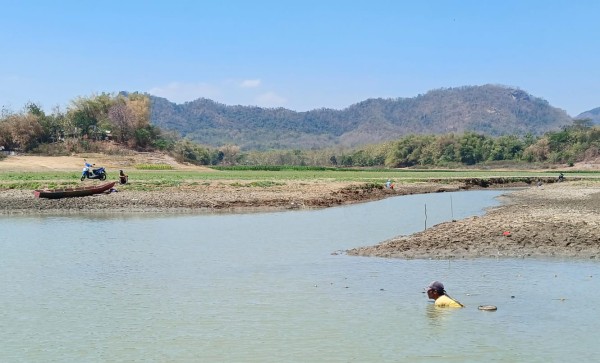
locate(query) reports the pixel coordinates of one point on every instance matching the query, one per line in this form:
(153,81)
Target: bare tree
(122,119)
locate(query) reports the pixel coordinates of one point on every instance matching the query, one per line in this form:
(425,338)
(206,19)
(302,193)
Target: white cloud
(270,99)
(228,92)
(250,83)
(184,92)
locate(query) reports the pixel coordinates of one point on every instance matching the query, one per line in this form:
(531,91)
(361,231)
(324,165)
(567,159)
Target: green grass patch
(257,184)
(235,177)
(272,168)
(265,184)
(153,167)
(23,186)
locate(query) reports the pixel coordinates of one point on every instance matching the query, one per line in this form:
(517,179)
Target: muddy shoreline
(559,220)
(215,197)
(233,196)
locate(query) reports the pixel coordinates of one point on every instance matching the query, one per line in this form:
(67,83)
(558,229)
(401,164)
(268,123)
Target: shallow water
(267,288)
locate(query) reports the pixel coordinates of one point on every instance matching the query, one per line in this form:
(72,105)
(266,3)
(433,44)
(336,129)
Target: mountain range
(489,109)
(593,115)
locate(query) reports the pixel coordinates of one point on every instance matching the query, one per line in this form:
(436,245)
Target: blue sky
(299,55)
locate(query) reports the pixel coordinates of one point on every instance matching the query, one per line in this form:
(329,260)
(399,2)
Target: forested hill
(490,109)
(593,115)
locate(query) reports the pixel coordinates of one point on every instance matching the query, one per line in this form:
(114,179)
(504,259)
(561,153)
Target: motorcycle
(98,173)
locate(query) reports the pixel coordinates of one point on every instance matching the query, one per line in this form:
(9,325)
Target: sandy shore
(556,220)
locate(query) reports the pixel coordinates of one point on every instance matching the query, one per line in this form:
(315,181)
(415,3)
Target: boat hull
(73,192)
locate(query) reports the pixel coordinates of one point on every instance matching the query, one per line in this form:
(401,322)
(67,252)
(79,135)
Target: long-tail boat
(73,192)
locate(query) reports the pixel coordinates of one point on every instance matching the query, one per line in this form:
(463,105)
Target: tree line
(116,123)
(577,142)
(100,123)
(121,118)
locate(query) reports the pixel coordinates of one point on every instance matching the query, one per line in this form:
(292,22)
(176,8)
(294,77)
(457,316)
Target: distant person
(435,291)
(123,178)
(389,184)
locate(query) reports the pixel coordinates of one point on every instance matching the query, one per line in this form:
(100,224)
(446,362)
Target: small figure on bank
(123,178)
(435,291)
(389,185)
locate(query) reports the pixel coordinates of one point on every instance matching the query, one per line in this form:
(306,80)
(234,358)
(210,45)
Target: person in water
(123,178)
(436,291)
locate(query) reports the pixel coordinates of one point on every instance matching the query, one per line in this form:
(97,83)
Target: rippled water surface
(267,288)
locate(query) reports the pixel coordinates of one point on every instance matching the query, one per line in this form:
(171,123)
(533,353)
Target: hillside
(593,115)
(490,109)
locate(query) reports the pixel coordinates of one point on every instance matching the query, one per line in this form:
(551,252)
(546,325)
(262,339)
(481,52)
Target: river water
(268,287)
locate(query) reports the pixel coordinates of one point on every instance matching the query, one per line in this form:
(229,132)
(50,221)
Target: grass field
(157,179)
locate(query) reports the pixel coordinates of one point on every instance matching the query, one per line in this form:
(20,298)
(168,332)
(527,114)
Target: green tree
(347,160)
(506,148)
(333,160)
(90,115)
(472,148)
(188,151)
(409,151)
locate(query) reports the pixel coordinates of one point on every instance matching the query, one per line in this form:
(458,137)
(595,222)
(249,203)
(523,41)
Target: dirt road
(19,163)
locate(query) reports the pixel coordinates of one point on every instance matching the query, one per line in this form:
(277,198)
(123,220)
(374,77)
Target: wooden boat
(73,192)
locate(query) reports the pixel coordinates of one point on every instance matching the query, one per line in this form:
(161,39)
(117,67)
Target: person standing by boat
(436,291)
(123,178)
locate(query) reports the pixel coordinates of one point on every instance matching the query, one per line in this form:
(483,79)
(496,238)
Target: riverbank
(214,196)
(555,220)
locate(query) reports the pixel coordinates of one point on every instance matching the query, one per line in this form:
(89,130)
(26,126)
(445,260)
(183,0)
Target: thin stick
(425,215)
(451,208)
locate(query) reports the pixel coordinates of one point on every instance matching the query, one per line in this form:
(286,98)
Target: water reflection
(436,315)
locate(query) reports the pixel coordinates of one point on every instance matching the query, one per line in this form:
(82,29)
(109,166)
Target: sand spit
(556,220)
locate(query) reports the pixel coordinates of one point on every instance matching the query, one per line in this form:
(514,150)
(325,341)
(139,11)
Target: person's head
(435,290)
(121,172)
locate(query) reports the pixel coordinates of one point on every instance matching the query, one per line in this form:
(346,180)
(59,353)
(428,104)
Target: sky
(300,55)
